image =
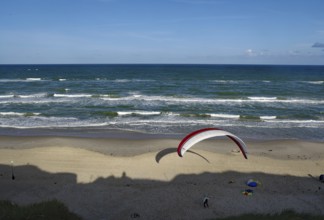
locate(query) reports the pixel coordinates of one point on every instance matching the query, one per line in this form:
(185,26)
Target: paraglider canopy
(202,134)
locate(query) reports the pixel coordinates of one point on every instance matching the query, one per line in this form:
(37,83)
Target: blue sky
(162,31)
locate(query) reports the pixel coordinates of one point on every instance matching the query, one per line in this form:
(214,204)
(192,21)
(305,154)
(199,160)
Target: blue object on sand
(252,183)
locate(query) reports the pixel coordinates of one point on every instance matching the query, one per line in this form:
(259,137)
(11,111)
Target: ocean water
(251,101)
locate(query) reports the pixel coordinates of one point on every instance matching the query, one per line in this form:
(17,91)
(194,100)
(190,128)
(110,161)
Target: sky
(162,31)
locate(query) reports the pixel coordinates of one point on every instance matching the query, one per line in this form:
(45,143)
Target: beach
(116,178)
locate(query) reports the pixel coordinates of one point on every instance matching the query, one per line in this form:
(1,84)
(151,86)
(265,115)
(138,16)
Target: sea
(259,102)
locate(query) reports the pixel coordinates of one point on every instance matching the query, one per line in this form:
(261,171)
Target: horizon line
(189,64)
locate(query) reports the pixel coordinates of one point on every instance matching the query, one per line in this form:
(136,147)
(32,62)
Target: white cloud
(249,52)
(254,53)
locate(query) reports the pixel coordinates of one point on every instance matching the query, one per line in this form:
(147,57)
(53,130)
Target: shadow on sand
(172,150)
(181,198)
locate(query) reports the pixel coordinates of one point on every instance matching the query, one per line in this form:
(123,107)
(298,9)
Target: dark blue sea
(252,101)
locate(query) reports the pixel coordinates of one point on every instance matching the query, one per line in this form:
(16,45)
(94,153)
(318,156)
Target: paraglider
(202,134)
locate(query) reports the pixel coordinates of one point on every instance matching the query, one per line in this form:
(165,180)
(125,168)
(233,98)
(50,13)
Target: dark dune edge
(120,197)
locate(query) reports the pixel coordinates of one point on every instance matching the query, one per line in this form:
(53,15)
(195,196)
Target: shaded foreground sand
(113,179)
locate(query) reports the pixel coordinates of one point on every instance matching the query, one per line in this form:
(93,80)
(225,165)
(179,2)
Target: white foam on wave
(169,122)
(225,116)
(294,123)
(302,101)
(227,81)
(62,79)
(206,100)
(261,98)
(6,96)
(268,117)
(121,80)
(44,97)
(157,98)
(314,82)
(164,122)
(172,114)
(33,79)
(19,114)
(297,121)
(48,122)
(38,95)
(11,114)
(33,101)
(138,113)
(72,95)
(131,80)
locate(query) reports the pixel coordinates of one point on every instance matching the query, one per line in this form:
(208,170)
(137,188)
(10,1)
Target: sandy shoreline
(114,178)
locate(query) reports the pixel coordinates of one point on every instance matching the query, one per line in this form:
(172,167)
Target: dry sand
(115,178)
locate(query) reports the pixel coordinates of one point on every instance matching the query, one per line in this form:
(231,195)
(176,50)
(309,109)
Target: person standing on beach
(205,201)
